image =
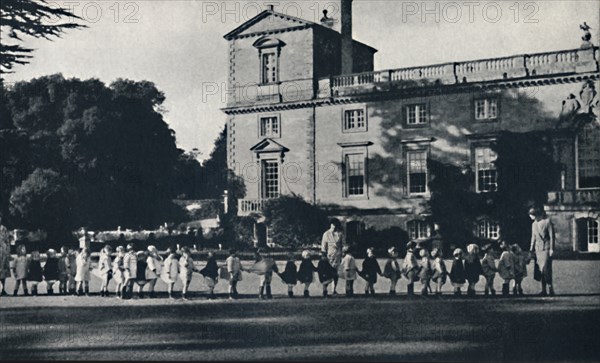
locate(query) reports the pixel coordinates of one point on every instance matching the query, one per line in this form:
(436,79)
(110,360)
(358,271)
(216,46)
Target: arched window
(488,229)
(588,157)
(418,229)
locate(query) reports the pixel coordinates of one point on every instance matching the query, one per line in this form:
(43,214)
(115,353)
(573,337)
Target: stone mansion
(308,115)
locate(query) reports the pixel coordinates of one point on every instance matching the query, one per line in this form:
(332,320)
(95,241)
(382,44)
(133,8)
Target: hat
(457,252)
(130,246)
(152,249)
(392,250)
(423,252)
(346,249)
(487,248)
(141,253)
(435,252)
(306,254)
(51,252)
(472,248)
(411,245)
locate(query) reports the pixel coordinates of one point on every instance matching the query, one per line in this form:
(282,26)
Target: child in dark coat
(392,269)
(211,274)
(35,273)
(305,272)
(326,272)
(51,270)
(370,270)
(457,272)
(290,274)
(473,268)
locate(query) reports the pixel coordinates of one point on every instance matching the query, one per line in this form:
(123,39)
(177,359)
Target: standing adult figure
(4,256)
(542,245)
(332,244)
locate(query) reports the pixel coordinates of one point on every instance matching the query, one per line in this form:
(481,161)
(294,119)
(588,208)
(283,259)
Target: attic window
(269,51)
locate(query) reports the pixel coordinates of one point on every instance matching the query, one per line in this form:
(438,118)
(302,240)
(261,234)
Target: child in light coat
(410,268)
(266,266)
(472,268)
(440,272)
(392,269)
(82,276)
(72,271)
(105,269)
(211,274)
(457,272)
(506,267)
(326,273)
(51,271)
(290,274)
(370,270)
(488,266)
(170,271)
(234,271)
(348,267)
(425,271)
(118,271)
(21,270)
(186,268)
(306,272)
(64,270)
(154,269)
(130,271)
(35,275)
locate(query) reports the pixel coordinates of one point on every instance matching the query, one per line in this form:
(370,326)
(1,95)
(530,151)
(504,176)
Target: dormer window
(269,51)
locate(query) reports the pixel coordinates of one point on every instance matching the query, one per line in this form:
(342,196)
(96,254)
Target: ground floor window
(270,180)
(419,230)
(488,229)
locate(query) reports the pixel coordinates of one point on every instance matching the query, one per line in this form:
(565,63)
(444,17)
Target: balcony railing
(574,197)
(247,207)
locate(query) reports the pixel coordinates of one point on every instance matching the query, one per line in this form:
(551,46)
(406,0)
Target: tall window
(354,120)
(417,172)
(270,73)
(487,175)
(270,180)
(592,231)
(416,114)
(355,174)
(588,157)
(269,127)
(486,109)
(488,229)
(419,230)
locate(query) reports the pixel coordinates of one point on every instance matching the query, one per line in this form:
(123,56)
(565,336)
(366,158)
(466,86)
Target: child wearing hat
(306,271)
(35,274)
(186,268)
(290,274)
(457,272)
(472,268)
(521,261)
(370,270)
(105,269)
(267,266)
(211,274)
(425,271)
(153,269)
(51,271)
(118,272)
(63,270)
(439,271)
(348,267)
(410,268)
(170,270)
(326,272)
(506,267)
(488,266)
(234,269)
(130,271)
(21,269)
(392,269)
(82,276)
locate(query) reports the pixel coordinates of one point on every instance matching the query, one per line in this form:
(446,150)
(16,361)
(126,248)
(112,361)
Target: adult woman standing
(542,245)
(4,256)
(332,244)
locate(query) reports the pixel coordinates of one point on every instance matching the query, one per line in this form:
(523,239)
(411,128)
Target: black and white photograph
(300,180)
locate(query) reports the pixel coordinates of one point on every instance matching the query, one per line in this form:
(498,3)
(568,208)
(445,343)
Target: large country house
(308,115)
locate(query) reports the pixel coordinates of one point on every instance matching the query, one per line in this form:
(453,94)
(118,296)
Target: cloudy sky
(179,44)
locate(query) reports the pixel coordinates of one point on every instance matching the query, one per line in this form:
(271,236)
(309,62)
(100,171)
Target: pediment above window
(268,42)
(269,146)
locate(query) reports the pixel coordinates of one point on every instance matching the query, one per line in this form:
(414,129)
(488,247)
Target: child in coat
(82,276)
(290,274)
(21,270)
(211,274)
(170,270)
(186,268)
(326,272)
(457,272)
(234,271)
(521,261)
(370,270)
(439,271)
(392,269)
(141,268)
(64,270)
(488,266)
(305,272)
(35,275)
(72,271)
(118,271)
(348,267)
(267,268)
(51,270)
(425,271)
(472,268)
(410,268)
(154,268)
(105,269)
(506,267)
(130,271)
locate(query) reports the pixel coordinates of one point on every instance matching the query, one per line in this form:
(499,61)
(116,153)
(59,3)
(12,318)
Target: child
(425,271)
(268,267)
(63,270)
(410,268)
(457,272)
(290,274)
(51,270)
(326,272)
(392,269)
(170,271)
(82,275)
(348,266)
(234,270)
(154,269)
(141,267)
(488,266)
(305,272)
(21,270)
(521,261)
(472,268)
(119,271)
(370,270)
(72,255)
(211,274)
(186,268)
(506,267)
(104,270)
(35,273)
(130,271)
(439,271)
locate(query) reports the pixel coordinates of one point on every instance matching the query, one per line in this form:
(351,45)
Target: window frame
(476,167)
(352,149)
(260,128)
(263,179)
(420,106)
(415,225)
(487,101)
(364,128)
(577,159)
(590,228)
(487,224)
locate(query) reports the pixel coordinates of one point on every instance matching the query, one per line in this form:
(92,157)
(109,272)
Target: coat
(82,272)
(51,269)
(440,272)
(457,272)
(154,267)
(104,266)
(211,270)
(325,271)
(234,268)
(370,270)
(64,269)
(290,273)
(348,268)
(392,269)
(35,272)
(488,266)
(521,261)
(186,268)
(473,269)
(170,270)
(130,266)
(305,272)
(4,257)
(506,265)
(118,271)
(410,267)
(425,269)
(141,268)
(332,244)
(21,267)
(542,235)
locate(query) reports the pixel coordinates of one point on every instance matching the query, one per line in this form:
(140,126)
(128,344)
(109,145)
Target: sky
(179,44)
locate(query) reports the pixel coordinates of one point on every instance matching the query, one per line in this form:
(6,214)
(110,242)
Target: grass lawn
(566,327)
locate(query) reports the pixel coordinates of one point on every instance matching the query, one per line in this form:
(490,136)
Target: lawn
(565,327)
